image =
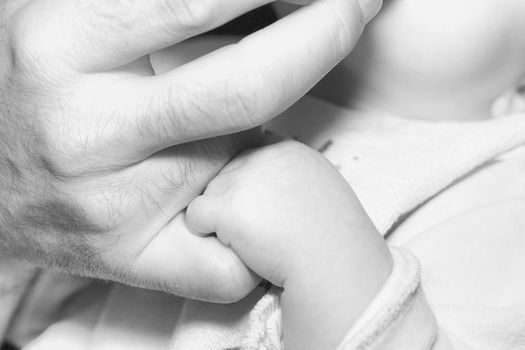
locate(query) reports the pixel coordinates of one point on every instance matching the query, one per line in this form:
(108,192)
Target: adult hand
(98,158)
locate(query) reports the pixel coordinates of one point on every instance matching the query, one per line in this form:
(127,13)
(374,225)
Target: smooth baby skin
(434,60)
(293,219)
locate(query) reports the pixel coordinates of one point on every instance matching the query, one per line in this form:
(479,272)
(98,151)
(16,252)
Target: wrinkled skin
(99,157)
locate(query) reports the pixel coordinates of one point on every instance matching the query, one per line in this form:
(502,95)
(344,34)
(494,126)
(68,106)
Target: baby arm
(295,222)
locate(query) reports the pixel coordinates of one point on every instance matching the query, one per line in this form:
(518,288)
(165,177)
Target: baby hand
(295,221)
(286,211)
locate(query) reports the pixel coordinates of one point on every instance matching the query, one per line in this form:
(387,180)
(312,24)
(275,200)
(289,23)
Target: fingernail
(369,8)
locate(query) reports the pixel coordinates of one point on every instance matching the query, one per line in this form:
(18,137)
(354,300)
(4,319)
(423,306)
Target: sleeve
(459,285)
(399,317)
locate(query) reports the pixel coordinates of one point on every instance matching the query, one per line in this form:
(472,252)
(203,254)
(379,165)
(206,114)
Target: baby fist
(280,208)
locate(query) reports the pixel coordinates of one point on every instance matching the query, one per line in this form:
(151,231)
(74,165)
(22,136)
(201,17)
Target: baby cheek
(456,50)
(448,39)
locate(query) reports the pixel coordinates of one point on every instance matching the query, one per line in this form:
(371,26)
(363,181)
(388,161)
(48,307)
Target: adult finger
(241,85)
(98,35)
(182,263)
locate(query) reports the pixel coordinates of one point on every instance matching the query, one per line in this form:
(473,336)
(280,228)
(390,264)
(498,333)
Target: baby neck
(463,101)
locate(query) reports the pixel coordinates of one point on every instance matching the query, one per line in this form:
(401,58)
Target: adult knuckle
(29,42)
(61,148)
(36,148)
(21,40)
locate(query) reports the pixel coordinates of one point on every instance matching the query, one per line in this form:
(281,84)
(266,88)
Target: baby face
(437,59)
